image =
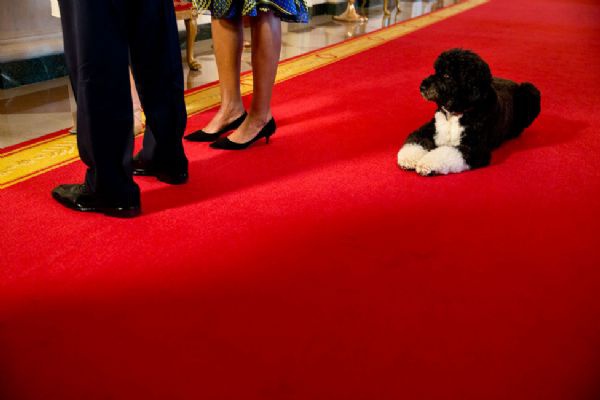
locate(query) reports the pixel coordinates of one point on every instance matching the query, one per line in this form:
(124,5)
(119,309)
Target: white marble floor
(35,110)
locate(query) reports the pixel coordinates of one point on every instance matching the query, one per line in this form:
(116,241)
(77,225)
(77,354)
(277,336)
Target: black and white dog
(476,113)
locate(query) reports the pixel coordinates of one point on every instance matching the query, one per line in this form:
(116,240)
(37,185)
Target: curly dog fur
(476,113)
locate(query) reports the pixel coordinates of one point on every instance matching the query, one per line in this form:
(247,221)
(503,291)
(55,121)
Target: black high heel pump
(201,136)
(266,132)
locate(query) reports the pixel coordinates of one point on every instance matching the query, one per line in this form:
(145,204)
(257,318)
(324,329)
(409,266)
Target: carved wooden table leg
(186,11)
(191,26)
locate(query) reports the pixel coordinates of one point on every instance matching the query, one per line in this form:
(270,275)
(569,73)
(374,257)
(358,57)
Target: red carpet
(313,268)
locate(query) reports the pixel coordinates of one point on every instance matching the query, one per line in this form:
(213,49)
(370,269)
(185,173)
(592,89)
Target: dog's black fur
(491,110)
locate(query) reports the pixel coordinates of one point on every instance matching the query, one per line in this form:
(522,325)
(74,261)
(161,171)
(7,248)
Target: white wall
(27,29)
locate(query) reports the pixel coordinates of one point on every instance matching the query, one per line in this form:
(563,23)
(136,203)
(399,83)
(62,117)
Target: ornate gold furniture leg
(386,9)
(187,12)
(191,26)
(350,15)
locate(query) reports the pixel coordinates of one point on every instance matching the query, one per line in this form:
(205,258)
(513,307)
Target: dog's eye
(446,76)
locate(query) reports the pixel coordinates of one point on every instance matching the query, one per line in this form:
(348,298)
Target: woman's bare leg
(228,45)
(266,46)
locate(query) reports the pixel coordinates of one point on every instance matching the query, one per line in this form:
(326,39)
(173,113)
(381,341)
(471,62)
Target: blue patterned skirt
(287,10)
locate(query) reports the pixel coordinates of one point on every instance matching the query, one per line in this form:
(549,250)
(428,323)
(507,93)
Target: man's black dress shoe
(201,136)
(79,198)
(266,132)
(147,168)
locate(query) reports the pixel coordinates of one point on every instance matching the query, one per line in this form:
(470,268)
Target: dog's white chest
(448,130)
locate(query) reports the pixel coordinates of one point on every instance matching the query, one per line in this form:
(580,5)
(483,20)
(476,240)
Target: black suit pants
(102,38)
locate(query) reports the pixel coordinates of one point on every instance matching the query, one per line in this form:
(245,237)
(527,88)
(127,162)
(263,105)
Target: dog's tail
(527,107)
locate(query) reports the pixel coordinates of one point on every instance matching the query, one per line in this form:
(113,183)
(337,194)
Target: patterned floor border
(23,163)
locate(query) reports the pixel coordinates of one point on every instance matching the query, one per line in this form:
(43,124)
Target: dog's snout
(428,89)
(426,84)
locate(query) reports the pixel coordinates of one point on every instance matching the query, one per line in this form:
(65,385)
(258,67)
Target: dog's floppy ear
(480,78)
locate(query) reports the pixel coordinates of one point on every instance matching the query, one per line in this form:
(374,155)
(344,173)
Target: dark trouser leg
(157,69)
(97,55)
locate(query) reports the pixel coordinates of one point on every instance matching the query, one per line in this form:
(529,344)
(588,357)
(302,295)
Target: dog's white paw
(423,170)
(442,160)
(409,155)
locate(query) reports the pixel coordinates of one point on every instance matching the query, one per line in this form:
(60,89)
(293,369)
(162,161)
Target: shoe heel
(225,144)
(271,130)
